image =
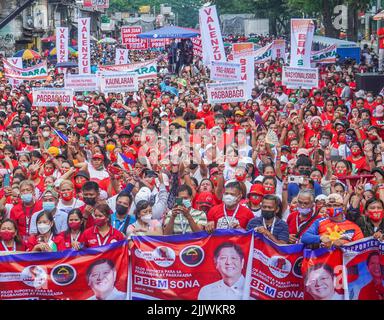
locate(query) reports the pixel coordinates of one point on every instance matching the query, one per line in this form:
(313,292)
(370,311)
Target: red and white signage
(62,44)
(119,82)
(296,78)
(301,42)
(81,82)
(122,56)
(227,92)
(242,49)
(278,49)
(130,39)
(99,4)
(213,46)
(84,45)
(158,43)
(18,63)
(247,70)
(197,46)
(50,97)
(225,71)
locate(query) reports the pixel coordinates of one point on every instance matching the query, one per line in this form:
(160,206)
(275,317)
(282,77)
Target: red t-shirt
(19,247)
(295,224)
(371,292)
(216,214)
(22,216)
(32,242)
(65,241)
(92,238)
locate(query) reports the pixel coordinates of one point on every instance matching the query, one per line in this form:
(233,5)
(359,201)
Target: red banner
(89,274)
(322,271)
(364,264)
(276,271)
(130,39)
(192,267)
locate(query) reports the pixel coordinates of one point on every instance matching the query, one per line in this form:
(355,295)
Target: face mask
(74,225)
(133,114)
(79,185)
(229,200)
(267,214)
(334,212)
(193,166)
(187,203)
(81,145)
(102,135)
(48,172)
(342,139)
(341,172)
(80,125)
(43,228)
(294,149)
(100,221)
(356,153)
(67,196)
(7,235)
(121,210)
(269,190)
(89,201)
(234,162)
(372,137)
(147,218)
(26,198)
(48,206)
(304,211)
(242,177)
(375,215)
(46,134)
(256,201)
(34,128)
(369,99)
(324,143)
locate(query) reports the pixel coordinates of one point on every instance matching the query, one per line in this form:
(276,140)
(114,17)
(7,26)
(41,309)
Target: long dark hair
(80,216)
(50,218)
(17,237)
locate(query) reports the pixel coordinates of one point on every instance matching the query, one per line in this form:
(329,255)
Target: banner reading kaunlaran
(364,269)
(213,46)
(276,271)
(84,45)
(90,274)
(301,42)
(62,44)
(322,271)
(196,266)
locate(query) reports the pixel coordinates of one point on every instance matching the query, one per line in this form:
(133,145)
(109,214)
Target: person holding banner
(144,224)
(102,232)
(10,238)
(372,222)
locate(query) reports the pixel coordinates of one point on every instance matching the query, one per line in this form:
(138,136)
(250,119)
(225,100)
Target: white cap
(162,114)
(143,194)
(321,197)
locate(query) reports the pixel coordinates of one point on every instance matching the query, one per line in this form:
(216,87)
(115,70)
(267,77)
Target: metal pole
(378,9)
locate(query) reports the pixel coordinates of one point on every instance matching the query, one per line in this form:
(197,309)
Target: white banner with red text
(327,55)
(81,82)
(130,39)
(62,44)
(144,70)
(225,71)
(84,45)
(301,42)
(227,92)
(37,72)
(119,82)
(50,97)
(304,78)
(122,56)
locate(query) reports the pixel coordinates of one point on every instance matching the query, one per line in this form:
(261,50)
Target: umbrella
(49,39)
(71,51)
(173,32)
(27,54)
(68,64)
(107,40)
(379,16)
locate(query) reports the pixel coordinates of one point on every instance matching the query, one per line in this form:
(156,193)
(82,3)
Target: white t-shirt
(97,174)
(76,204)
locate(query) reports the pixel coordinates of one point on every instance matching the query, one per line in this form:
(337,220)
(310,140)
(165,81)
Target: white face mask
(229,200)
(43,228)
(46,134)
(147,218)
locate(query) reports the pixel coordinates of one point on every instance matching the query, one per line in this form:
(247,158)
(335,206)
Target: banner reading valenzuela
(98,273)
(196,266)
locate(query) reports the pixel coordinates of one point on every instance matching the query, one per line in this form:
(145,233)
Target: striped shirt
(181,224)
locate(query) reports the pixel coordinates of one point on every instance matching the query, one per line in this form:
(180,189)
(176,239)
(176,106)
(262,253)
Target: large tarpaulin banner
(327,55)
(212,41)
(363,262)
(62,44)
(305,78)
(276,271)
(122,56)
(84,45)
(50,97)
(130,39)
(301,42)
(98,273)
(322,271)
(227,92)
(37,72)
(144,70)
(242,49)
(192,267)
(263,54)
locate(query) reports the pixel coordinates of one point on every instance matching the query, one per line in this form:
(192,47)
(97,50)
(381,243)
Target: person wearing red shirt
(69,239)
(230,214)
(374,290)
(102,233)
(358,159)
(303,217)
(205,113)
(9,236)
(22,212)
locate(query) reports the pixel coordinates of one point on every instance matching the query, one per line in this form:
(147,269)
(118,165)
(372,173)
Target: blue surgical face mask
(26,198)
(304,211)
(134,114)
(48,206)
(187,203)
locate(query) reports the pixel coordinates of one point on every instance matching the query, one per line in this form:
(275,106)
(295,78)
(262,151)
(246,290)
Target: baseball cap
(98,156)
(205,198)
(257,189)
(321,197)
(239,113)
(143,194)
(83,173)
(303,151)
(51,192)
(163,114)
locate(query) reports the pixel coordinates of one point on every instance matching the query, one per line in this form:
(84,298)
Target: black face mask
(102,135)
(89,201)
(103,109)
(121,210)
(34,128)
(267,214)
(193,166)
(127,127)
(80,125)
(305,172)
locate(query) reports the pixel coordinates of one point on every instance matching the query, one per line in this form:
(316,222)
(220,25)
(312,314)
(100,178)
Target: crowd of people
(298,166)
